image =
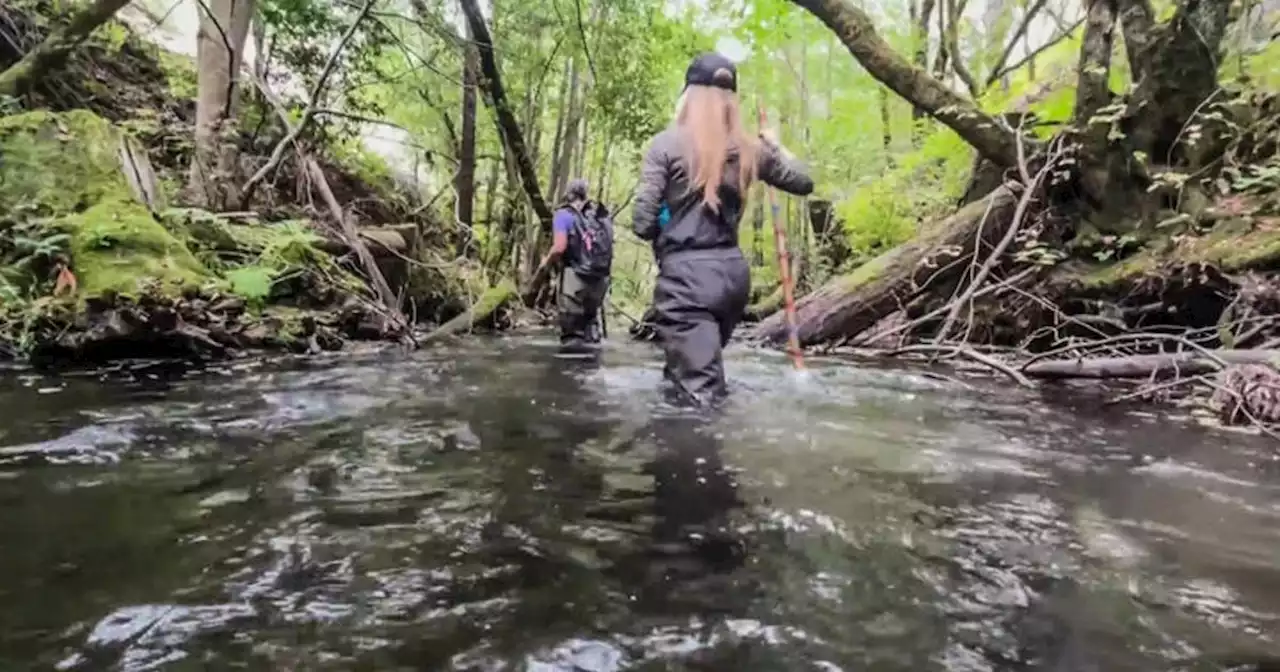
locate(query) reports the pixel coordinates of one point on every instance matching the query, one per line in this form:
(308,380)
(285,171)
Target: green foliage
(57,163)
(180,73)
(118,247)
(111,36)
(365,164)
(29,251)
(64,197)
(255,258)
(303,33)
(251,282)
(924,184)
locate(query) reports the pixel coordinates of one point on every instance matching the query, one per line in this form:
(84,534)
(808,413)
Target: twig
(1121,338)
(346,231)
(956,349)
(1004,284)
(1029,13)
(1019,213)
(277,154)
(622,312)
(1066,32)
(1152,389)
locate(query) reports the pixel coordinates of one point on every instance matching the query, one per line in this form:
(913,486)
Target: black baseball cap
(702,72)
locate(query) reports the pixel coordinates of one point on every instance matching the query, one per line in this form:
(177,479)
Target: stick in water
(784,269)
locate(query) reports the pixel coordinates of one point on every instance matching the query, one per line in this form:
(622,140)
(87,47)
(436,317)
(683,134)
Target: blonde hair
(712,122)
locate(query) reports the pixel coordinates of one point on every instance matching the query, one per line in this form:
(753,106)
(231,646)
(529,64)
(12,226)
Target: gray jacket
(693,226)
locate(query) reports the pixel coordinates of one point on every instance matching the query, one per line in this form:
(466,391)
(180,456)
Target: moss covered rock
(57,163)
(61,174)
(118,247)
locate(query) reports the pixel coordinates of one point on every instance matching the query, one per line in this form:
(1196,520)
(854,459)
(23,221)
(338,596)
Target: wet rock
(255,336)
(460,438)
(231,304)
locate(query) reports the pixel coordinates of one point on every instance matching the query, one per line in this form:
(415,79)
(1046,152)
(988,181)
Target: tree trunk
(920,22)
(512,138)
(510,231)
(854,303)
(997,19)
(1176,75)
(886,126)
(1093,91)
(580,163)
(602,184)
(573,119)
(802,274)
(261,55)
(1177,67)
(955,10)
(1147,366)
(224,27)
(1106,184)
(859,36)
(562,117)
(491,193)
(53,51)
(465,185)
(941,64)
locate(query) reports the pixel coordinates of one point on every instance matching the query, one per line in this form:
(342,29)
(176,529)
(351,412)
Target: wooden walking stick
(784,269)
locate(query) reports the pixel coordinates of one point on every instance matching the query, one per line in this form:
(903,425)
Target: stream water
(493,507)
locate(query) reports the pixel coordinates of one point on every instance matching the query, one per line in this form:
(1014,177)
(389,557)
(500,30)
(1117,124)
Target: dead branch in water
(485,307)
(968,353)
(1142,366)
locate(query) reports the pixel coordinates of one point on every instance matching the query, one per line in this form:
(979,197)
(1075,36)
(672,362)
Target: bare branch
(1055,40)
(277,154)
(858,34)
(998,69)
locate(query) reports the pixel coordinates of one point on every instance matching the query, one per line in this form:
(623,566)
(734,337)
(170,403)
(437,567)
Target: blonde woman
(701,167)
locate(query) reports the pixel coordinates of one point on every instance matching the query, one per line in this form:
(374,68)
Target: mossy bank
(88,272)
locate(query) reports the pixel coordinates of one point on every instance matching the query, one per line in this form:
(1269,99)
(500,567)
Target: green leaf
(251,282)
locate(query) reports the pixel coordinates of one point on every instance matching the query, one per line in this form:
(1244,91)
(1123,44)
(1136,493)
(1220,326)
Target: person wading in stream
(701,167)
(582,236)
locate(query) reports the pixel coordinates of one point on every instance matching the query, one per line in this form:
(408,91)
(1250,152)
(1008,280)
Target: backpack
(591,242)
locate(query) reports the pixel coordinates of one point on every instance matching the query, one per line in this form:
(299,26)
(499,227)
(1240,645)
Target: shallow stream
(492,507)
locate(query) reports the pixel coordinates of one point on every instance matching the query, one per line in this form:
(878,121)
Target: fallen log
(1144,366)
(490,302)
(765,307)
(855,302)
(382,241)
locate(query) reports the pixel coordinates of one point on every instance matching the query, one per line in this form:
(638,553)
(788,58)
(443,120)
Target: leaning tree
(1112,167)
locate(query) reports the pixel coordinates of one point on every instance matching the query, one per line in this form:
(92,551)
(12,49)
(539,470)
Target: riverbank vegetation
(1048,188)
(316,173)
(1107,209)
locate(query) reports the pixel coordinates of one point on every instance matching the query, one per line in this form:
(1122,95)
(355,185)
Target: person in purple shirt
(583,284)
